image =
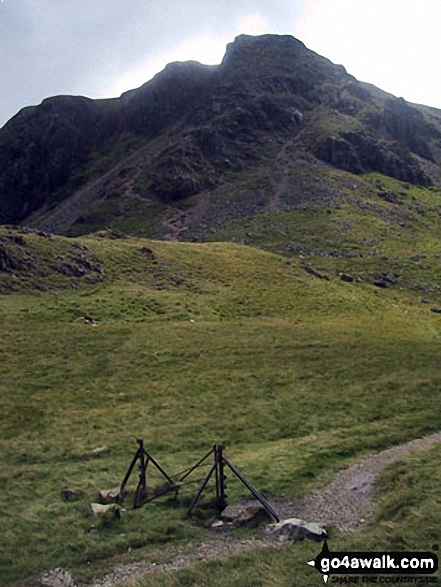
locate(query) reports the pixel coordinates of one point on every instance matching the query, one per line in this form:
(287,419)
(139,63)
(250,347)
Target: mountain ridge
(196,129)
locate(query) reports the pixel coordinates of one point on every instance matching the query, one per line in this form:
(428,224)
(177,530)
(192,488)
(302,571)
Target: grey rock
(436,310)
(296,529)
(381,283)
(346,277)
(390,277)
(245,514)
(385,279)
(108,496)
(221,526)
(70,494)
(99,509)
(99,451)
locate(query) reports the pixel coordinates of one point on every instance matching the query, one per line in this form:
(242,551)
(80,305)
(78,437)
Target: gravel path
(347,501)
(219,545)
(345,504)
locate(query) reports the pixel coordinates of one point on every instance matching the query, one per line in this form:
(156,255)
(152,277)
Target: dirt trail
(345,503)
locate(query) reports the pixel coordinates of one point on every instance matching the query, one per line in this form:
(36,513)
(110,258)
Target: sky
(101,48)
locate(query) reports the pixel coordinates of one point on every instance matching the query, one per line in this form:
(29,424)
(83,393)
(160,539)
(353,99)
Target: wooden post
(201,489)
(127,476)
(142,466)
(221,495)
(253,490)
(141,488)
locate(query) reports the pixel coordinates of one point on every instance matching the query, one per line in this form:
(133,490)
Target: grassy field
(105,340)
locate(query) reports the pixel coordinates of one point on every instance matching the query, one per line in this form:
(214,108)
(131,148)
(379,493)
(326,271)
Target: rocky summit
(274,127)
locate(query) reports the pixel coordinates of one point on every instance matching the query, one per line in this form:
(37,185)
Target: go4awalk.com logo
(376,567)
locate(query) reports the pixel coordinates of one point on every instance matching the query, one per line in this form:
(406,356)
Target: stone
(89,320)
(149,253)
(99,451)
(346,277)
(108,496)
(99,509)
(221,526)
(390,277)
(296,529)
(385,279)
(57,578)
(339,152)
(245,514)
(70,494)
(436,310)
(381,283)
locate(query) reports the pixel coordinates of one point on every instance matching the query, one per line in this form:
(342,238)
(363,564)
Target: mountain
(200,149)
(301,358)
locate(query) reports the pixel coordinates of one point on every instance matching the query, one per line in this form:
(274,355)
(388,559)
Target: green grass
(131,215)
(192,344)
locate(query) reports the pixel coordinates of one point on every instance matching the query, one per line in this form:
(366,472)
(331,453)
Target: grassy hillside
(296,371)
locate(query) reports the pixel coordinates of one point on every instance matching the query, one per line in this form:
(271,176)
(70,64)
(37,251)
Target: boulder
(221,526)
(390,197)
(108,496)
(245,514)
(99,509)
(346,277)
(149,253)
(390,277)
(385,279)
(70,494)
(99,451)
(380,283)
(296,529)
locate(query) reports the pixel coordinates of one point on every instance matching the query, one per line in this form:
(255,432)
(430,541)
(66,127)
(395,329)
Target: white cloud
(253,24)
(205,48)
(394,45)
(208,49)
(103,48)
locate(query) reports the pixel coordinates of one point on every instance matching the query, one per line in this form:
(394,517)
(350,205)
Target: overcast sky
(100,48)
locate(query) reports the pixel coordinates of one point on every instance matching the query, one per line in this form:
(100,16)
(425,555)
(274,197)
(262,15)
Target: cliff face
(193,125)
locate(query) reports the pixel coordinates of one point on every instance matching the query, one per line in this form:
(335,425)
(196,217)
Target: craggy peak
(272,108)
